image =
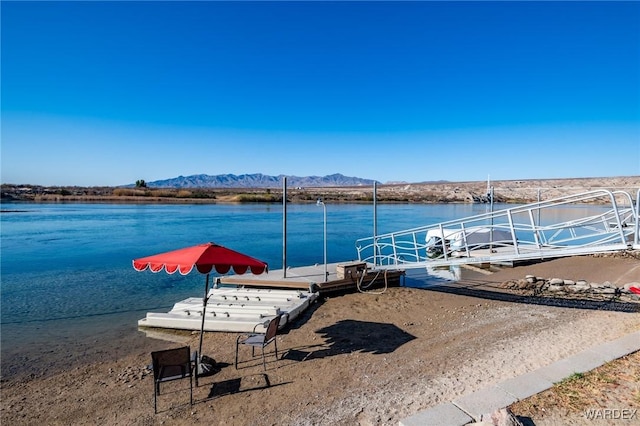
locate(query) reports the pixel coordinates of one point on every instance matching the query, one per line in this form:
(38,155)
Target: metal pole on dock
(324,208)
(375,222)
(539,199)
(491,198)
(284,227)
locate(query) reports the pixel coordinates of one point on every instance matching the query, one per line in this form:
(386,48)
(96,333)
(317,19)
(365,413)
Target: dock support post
(284,227)
(375,223)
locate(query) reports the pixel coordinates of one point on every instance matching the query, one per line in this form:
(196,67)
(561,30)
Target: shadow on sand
(349,336)
(243,384)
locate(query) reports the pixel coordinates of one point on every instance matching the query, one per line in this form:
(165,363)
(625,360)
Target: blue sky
(105,93)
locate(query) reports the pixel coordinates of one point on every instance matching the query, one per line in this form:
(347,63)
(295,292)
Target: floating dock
(232,310)
(243,303)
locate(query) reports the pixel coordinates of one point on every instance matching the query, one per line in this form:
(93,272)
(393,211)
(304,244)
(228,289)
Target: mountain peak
(258,180)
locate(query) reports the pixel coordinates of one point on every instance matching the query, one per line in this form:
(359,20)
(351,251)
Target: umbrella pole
(204,308)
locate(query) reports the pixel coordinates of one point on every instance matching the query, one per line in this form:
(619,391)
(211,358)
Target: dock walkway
(342,276)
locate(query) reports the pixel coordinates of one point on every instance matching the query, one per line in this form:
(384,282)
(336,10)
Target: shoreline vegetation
(505,191)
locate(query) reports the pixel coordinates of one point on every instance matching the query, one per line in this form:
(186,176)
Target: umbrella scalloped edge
(158,267)
(203,269)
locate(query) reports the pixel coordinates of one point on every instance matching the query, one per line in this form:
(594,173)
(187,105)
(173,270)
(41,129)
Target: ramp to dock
(560,227)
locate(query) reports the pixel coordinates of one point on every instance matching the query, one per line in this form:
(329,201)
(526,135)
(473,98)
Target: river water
(67,275)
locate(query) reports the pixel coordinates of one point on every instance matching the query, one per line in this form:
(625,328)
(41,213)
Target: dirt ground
(583,399)
(352,359)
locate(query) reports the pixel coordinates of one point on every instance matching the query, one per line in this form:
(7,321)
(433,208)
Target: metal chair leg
(155,397)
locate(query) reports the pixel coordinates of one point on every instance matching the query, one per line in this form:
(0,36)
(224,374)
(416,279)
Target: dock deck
(342,276)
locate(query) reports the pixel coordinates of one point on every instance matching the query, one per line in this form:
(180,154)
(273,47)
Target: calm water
(67,276)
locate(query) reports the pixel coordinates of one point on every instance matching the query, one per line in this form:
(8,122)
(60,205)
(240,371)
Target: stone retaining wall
(568,288)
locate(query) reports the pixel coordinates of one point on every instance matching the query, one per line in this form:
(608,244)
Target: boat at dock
(460,242)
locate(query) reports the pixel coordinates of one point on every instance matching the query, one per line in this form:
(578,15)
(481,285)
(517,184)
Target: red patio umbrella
(205,258)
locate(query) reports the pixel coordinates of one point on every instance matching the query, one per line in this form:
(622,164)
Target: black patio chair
(260,340)
(173,364)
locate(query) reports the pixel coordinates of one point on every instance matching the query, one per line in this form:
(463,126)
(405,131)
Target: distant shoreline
(511,191)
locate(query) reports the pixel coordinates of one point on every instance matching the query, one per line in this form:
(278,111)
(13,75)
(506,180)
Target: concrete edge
(473,406)
(445,414)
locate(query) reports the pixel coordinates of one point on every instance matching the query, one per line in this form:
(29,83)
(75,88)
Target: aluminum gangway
(591,222)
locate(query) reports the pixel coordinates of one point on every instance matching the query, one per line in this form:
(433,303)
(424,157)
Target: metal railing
(636,238)
(590,222)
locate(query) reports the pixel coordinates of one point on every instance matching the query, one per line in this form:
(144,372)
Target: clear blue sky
(105,93)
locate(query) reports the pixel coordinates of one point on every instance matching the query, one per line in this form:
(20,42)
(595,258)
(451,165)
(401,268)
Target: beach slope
(368,359)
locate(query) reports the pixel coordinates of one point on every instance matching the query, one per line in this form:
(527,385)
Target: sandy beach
(363,359)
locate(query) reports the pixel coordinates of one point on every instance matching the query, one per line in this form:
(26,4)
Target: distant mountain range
(257,180)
